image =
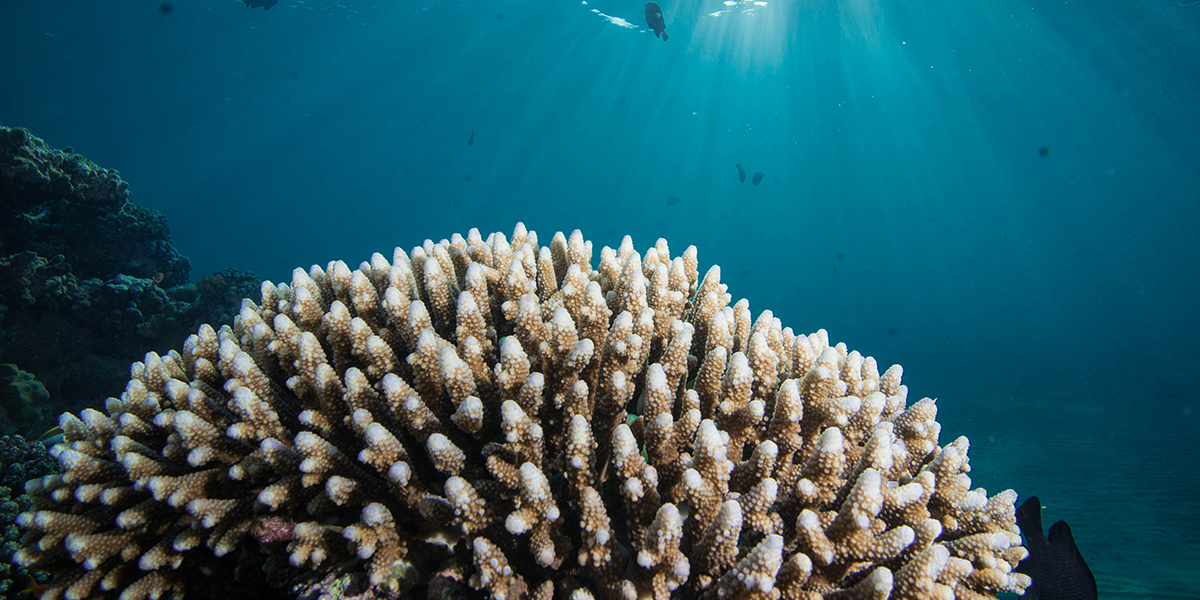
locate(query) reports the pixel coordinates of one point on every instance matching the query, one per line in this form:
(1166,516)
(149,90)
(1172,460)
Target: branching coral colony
(617,432)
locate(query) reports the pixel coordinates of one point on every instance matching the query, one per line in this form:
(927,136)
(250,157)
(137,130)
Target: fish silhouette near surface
(757,178)
(741,173)
(1054,563)
(471,140)
(654,19)
(265,4)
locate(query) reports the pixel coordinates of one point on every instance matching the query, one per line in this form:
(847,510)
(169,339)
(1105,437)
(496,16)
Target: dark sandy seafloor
(1113,470)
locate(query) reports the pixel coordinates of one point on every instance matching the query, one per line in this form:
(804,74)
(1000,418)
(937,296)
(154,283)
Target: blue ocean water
(1001,196)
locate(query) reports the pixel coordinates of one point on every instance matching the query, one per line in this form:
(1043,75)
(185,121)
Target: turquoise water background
(1048,299)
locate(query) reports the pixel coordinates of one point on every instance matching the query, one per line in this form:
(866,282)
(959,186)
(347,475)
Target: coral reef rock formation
(58,202)
(557,430)
(22,398)
(33,173)
(89,280)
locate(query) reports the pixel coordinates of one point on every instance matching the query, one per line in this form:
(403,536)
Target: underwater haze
(1003,196)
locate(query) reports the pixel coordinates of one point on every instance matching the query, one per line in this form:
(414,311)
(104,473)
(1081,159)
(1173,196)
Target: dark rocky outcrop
(89,280)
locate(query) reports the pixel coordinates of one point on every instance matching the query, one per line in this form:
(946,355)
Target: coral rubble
(554,428)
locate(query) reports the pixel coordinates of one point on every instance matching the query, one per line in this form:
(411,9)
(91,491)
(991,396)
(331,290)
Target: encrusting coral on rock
(557,430)
(20,461)
(23,399)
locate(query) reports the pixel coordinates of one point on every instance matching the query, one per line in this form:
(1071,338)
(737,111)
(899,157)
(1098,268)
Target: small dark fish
(471,140)
(757,178)
(467,177)
(673,200)
(499,16)
(654,19)
(841,256)
(741,173)
(1044,152)
(164,8)
(265,4)
(53,432)
(1055,564)
(33,587)
(892,331)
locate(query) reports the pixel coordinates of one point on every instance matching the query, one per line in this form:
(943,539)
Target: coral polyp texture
(546,427)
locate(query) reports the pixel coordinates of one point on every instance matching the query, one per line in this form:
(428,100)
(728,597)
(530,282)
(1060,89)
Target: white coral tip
(645,559)
(516,523)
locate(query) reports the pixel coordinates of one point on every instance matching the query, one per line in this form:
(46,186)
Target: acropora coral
(558,429)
